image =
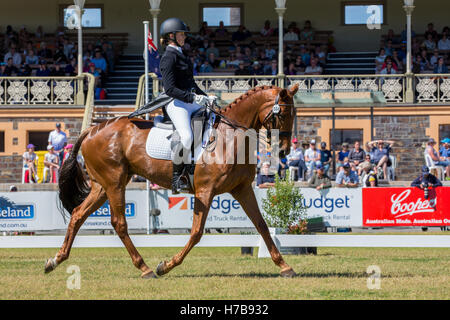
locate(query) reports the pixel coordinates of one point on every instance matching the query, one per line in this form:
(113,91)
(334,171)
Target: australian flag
(153,56)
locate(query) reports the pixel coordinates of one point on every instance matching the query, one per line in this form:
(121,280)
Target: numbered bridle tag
(276,109)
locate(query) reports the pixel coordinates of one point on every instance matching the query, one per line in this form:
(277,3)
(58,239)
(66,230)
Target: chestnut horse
(115,150)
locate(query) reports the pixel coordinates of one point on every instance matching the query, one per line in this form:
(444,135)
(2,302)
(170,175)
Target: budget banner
(177,211)
(393,207)
(29,211)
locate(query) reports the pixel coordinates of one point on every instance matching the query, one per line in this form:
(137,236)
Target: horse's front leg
(201,208)
(246,197)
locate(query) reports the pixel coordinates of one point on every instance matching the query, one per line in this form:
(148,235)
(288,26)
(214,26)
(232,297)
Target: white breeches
(180,113)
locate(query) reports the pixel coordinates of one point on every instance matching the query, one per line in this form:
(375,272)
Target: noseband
(273,116)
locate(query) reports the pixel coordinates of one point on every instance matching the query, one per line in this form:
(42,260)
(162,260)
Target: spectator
(307,32)
(13,188)
(44,52)
(212,49)
(99,61)
(389,69)
(429,43)
(434,58)
(306,57)
(321,55)
(242,70)
(426,179)
(267,30)
(295,159)
(325,156)
(319,180)
(29,162)
(16,57)
(290,35)
(381,155)
(221,32)
(272,69)
(206,67)
(57,71)
(67,149)
(256,69)
(68,48)
(368,176)
(314,68)
(43,70)
(291,70)
(3,70)
(379,60)
(431,32)
(10,69)
(342,155)
(71,68)
(356,156)
(444,43)
(438,161)
(312,157)
(300,65)
(215,63)
(440,67)
(388,60)
(58,139)
(109,55)
(232,61)
(444,151)
(205,32)
(397,61)
(31,59)
(404,34)
(389,49)
(51,162)
(347,178)
(39,34)
(366,162)
(241,34)
(265,179)
(270,52)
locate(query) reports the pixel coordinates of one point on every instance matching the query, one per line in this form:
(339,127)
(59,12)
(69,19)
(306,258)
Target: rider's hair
(165,39)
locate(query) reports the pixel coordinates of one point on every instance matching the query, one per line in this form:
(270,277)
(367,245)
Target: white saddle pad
(158,142)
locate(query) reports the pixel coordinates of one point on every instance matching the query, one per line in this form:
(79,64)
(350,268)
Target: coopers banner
(384,207)
(38,211)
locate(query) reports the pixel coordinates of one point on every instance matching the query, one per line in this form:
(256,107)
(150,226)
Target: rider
(178,82)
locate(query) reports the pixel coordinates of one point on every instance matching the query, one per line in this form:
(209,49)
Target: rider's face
(180,36)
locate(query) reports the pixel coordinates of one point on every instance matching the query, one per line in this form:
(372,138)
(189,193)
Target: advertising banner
(393,207)
(38,211)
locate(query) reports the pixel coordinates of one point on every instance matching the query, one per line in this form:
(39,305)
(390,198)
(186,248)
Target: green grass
(223,273)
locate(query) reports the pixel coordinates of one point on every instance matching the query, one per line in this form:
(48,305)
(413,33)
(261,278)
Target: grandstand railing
(48,92)
(428,88)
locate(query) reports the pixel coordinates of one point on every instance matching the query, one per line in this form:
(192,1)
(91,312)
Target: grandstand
(347,97)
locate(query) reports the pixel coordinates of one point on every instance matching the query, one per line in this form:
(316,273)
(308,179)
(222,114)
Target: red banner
(393,207)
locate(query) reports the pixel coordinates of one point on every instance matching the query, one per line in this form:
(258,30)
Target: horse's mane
(246,95)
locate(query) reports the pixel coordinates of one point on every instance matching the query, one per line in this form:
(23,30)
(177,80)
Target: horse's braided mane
(245,95)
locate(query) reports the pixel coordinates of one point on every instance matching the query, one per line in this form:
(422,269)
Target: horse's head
(279,114)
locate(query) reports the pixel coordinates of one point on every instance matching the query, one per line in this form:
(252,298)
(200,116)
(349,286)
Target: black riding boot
(179,181)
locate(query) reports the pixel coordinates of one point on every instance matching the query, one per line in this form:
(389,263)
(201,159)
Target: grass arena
(316,166)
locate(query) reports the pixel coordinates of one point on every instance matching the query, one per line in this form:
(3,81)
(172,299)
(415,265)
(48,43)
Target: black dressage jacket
(178,76)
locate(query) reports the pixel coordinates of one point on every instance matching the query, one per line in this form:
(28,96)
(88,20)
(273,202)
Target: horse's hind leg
(116,196)
(246,197)
(94,200)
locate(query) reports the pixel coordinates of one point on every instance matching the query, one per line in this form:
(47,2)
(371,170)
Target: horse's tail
(73,184)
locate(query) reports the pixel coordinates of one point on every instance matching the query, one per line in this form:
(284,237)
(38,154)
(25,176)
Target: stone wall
(407,131)
(11,169)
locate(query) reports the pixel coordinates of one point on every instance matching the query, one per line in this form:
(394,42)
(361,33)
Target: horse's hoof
(161,268)
(49,266)
(289,273)
(148,275)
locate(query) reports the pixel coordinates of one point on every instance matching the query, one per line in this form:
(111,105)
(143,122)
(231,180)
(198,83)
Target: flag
(153,56)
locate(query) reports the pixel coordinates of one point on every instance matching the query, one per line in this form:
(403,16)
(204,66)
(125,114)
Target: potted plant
(283,210)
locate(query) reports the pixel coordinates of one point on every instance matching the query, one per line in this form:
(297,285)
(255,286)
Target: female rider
(178,82)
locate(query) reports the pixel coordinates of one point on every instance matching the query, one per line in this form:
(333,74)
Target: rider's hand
(201,100)
(212,99)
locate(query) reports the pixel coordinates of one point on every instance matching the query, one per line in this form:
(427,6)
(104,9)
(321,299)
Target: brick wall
(11,169)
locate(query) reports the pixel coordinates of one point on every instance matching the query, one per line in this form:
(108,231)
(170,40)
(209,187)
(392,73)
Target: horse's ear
(283,93)
(293,90)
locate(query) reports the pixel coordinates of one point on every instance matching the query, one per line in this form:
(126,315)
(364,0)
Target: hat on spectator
(346,165)
(431,140)
(91,64)
(366,165)
(345,144)
(69,146)
(313,141)
(319,166)
(30,146)
(294,140)
(323,144)
(425,169)
(12,188)
(58,125)
(49,147)
(446,140)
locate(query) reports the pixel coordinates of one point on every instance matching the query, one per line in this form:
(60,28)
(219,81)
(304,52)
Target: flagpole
(146,99)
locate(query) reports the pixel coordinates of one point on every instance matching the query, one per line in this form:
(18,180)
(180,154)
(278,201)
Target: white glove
(212,99)
(201,100)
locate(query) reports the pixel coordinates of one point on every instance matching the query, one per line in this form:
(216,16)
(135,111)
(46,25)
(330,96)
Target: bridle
(273,116)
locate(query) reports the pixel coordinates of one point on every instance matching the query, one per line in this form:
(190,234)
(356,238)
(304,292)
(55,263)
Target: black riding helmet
(172,25)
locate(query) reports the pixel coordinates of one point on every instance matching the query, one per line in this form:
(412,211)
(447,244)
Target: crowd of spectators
(30,54)
(244,57)
(430,52)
